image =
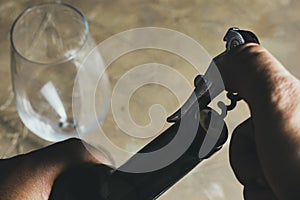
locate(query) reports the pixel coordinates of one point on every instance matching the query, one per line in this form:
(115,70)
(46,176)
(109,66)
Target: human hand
(31,176)
(246,164)
(264,150)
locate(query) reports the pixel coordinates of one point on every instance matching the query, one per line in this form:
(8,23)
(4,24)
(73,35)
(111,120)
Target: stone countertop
(275,22)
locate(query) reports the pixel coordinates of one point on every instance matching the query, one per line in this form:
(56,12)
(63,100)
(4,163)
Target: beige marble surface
(277,23)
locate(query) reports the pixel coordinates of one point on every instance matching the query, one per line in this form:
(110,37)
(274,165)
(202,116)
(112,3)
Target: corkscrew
(207,86)
(99,182)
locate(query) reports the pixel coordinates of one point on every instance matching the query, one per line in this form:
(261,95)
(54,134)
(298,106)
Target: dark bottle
(99,182)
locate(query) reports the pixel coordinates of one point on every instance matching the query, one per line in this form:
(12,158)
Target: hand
(246,165)
(31,176)
(264,150)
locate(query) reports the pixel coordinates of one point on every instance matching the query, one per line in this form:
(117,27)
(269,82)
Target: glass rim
(29,9)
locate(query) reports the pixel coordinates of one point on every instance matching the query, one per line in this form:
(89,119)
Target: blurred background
(276,23)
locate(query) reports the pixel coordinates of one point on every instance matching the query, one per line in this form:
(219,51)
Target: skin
(31,176)
(264,150)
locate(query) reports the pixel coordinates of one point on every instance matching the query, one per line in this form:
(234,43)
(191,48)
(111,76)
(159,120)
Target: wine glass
(49,44)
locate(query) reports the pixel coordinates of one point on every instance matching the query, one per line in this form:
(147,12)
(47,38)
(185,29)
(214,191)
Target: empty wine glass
(49,44)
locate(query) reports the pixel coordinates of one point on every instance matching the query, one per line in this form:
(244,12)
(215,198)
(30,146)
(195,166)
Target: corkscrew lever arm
(208,86)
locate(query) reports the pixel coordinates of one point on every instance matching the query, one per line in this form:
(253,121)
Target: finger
(243,157)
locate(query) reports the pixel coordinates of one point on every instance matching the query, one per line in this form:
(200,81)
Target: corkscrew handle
(210,85)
